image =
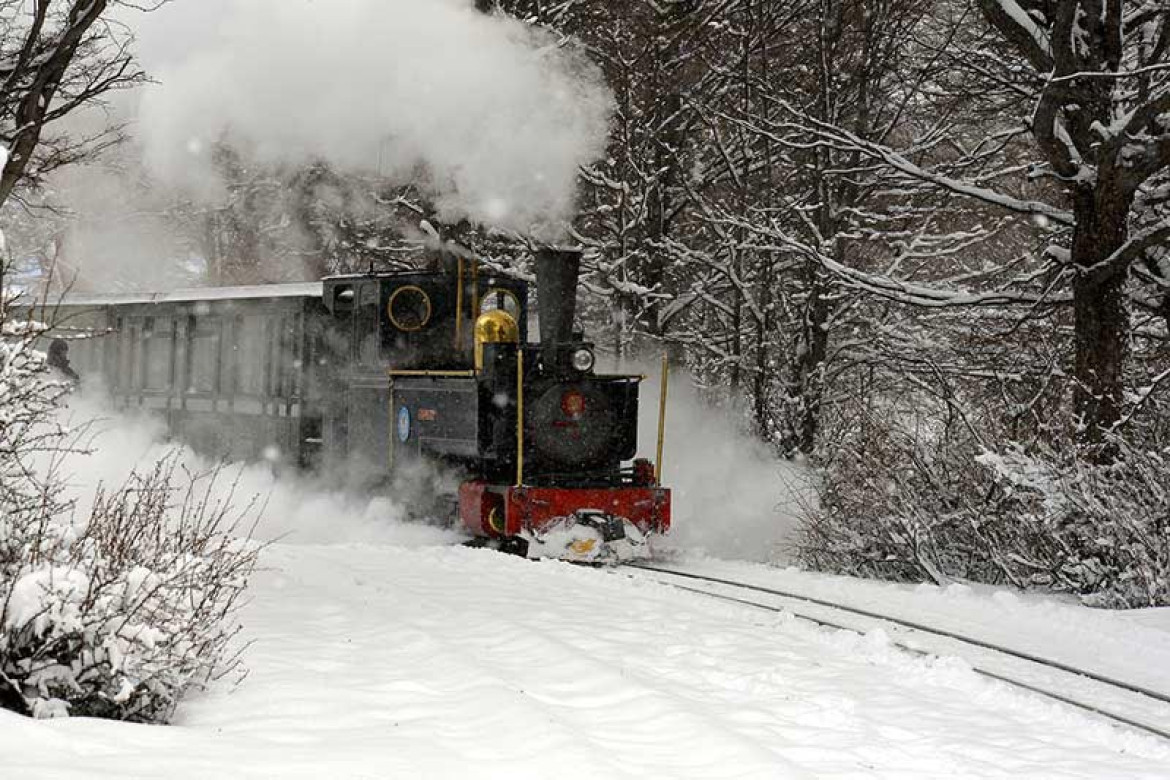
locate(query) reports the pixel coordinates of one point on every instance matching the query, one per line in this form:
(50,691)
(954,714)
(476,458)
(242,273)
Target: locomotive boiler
(380,376)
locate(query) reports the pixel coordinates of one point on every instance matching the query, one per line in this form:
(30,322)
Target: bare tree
(1102,124)
(1080,143)
(56,56)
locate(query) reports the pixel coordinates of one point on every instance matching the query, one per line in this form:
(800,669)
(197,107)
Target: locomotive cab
(388,329)
(419,320)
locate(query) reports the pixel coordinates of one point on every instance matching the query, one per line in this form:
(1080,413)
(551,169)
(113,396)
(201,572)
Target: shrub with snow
(1102,531)
(916,506)
(117,614)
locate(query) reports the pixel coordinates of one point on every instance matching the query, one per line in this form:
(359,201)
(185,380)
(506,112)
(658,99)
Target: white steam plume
(732,497)
(490,114)
(290,508)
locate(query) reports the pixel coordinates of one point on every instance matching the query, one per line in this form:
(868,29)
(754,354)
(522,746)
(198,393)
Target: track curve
(923,629)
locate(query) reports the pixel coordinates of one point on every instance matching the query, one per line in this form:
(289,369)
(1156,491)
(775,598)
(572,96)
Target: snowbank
(377,661)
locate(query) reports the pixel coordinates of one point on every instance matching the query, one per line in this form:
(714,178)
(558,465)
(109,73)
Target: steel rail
(1132,688)
(1038,660)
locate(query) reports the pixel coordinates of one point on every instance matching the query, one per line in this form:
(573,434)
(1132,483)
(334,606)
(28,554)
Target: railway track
(1142,709)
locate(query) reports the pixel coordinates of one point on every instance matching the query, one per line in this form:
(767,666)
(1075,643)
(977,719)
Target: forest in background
(923,246)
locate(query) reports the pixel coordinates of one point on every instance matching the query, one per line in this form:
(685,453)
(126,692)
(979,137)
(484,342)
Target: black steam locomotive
(372,375)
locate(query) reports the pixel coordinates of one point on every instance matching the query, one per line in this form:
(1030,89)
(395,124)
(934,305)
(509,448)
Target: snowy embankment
(427,660)
(1128,645)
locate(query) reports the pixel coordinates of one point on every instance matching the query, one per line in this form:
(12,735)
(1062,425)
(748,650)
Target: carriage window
(251,355)
(367,326)
(204,356)
(127,355)
(157,353)
(290,356)
(82,353)
(283,367)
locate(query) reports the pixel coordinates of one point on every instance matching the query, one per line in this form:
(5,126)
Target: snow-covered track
(783,601)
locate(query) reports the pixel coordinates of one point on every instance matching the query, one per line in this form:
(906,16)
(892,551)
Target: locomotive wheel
(514,546)
(509,546)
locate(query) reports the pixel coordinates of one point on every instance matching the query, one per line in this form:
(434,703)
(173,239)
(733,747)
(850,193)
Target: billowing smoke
(732,497)
(117,233)
(290,508)
(491,116)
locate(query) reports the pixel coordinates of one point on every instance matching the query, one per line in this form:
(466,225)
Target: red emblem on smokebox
(573,404)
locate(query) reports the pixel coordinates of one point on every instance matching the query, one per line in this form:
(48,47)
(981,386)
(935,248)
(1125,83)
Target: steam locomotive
(372,376)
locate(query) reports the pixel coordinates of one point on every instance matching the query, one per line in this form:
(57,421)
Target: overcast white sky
(173,32)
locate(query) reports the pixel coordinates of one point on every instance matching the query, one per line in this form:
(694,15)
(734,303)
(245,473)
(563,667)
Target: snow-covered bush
(118,616)
(1105,528)
(118,613)
(916,506)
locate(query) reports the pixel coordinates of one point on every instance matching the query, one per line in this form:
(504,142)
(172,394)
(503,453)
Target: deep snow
(427,660)
(383,649)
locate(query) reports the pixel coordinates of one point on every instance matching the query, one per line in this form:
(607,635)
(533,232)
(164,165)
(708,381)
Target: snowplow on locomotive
(384,373)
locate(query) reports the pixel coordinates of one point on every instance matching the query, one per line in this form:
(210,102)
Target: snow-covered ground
(420,659)
(381,649)
(1129,645)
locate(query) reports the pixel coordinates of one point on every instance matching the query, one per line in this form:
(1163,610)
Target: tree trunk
(764,369)
(812,366)
(1101,326)
(10,698)
(1101,321)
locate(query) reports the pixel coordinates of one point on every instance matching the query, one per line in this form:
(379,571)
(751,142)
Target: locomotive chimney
(557,272)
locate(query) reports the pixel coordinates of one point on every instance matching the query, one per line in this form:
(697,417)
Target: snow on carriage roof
(288,290)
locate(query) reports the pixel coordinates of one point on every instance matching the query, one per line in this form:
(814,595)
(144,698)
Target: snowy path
(382,661)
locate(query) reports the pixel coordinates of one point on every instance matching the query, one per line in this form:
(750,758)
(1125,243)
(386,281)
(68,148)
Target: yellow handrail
(460,372)
(459,307)
(519,416)
(662,417)
(475,312)
(393,415)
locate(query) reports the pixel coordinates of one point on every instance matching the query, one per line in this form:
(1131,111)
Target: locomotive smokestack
(557,272)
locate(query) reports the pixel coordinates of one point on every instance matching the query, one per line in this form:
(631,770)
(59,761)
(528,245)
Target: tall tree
(1101,121)
(1080,143)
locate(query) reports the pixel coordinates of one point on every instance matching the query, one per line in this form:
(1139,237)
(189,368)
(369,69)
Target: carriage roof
(194,295)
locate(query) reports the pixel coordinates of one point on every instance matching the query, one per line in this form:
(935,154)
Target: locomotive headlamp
(583,359)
